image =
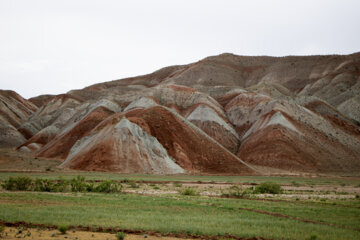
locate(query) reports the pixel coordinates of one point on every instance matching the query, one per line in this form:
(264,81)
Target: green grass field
(176,213)
(274,217)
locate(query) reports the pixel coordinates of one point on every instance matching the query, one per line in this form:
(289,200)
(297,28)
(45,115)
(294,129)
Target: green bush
(61,185)
(62,229)
(268,187)
(120,235)
(90,187)
(188,192)
(44,185)
(109,187)
(78,184)
(17,183)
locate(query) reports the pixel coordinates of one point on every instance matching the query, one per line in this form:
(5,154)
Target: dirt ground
(11,233)
(12,160)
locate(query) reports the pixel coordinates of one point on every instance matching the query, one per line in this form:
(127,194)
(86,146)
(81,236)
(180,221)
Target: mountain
(225,114)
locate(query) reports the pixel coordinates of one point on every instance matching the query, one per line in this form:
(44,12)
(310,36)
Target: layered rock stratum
(225,114)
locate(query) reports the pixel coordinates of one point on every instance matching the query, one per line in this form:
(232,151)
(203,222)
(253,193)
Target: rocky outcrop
(60,146)
(14,111)
(123,147)
(215,126)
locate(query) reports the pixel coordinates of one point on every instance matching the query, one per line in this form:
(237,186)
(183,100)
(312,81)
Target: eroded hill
(225,114)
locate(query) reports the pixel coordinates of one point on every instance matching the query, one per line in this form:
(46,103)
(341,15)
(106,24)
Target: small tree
(62,229)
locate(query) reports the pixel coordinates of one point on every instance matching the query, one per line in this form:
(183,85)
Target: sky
(51,47)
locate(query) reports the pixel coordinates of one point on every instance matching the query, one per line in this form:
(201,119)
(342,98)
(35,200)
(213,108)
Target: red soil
(191,150)
(38,138)
(248,100)
(221,135)
(278,147)
(181,88)
(61,145)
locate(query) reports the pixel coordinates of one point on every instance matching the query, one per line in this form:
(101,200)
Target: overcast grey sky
(55,46)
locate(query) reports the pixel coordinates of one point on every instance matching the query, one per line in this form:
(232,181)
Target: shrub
(236,191)
(177,184)
(23,183)
(109,187)
(233,191)
(133,184)
(61,185)
(188,192)
(62,229)
(120,235)
(78,184)
(44,185)
(17,183)
(90,187)
(268,187)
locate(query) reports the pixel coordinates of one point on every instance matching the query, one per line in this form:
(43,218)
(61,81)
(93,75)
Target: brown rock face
(225,114)
(41,100)
(14,110)
(60,146)
(153,140)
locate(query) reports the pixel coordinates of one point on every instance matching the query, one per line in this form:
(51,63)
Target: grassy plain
(188,214)
(310,207)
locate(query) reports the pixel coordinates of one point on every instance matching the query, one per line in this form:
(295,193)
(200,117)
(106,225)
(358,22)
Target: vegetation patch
(268,187)
(17,183)
(188,192)
(77,184)
(62,229)
(120,235)
(237,192)
(202,216)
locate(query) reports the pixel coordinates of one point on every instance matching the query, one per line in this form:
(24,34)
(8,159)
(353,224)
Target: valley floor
(217,207)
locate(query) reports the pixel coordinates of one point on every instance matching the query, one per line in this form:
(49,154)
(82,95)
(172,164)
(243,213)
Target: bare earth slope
(223,114)
(14,110)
